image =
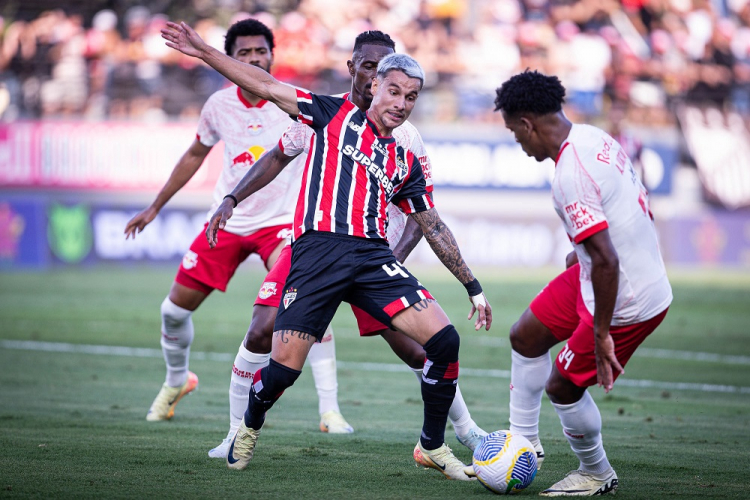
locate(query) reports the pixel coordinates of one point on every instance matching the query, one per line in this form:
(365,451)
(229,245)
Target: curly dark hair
(530,92)
(373,37)
(247,27)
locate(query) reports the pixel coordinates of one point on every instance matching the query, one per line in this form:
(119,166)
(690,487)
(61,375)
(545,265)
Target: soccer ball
(505,462)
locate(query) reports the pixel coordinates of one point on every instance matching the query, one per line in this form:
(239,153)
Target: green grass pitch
(72,424)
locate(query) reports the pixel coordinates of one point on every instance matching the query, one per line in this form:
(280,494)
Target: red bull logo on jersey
(247,159)
(267,290)
(190,260)
(255,127)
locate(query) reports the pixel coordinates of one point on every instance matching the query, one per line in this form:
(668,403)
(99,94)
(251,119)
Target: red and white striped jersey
(352,173)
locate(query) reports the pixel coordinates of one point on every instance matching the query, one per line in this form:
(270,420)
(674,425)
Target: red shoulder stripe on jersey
(591,231)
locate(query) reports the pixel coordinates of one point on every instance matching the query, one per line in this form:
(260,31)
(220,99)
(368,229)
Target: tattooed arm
(442,242)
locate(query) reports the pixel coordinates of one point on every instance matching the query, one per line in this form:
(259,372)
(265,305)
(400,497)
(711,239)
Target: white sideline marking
(142,352)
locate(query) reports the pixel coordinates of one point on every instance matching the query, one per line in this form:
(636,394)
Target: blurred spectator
(641,57)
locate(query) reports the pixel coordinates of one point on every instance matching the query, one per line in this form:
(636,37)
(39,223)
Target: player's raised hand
(137,223)
(219,221)
(606,362)
(183,38)
(480,305)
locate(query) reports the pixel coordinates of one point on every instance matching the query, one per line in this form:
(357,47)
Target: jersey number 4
(395,270)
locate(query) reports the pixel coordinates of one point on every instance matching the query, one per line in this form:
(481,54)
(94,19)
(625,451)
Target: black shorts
(329,268)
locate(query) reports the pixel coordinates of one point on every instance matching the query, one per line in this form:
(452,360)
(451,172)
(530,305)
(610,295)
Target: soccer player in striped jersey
(403,235)
(249,126)
(340,252)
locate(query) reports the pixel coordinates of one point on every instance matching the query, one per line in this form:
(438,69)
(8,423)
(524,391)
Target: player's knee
(443,345)
(177,327)
(415,358)
(173,315)
(562,391)
(258,338)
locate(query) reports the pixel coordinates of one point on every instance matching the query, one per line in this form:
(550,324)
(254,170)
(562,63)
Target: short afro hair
(530,92)
(373,37)
(247,27)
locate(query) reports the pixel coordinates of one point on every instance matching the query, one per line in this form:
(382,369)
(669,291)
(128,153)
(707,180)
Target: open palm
(183,38)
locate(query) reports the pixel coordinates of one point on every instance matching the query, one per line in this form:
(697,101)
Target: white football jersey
(248,132)
(596,188)
(297,140)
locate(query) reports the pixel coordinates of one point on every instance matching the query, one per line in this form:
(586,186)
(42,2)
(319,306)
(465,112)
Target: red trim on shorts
(399,305)
(452,371)
(396,306)
(368,326)
(591,231)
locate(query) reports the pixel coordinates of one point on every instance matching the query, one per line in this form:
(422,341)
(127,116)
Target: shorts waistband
(348,237)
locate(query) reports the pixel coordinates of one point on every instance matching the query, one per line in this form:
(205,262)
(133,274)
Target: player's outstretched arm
(266,169)
(441,239)
(183,38)
(186,167)
(605,274)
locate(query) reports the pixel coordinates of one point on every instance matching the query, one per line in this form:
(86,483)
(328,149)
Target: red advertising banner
(101,156)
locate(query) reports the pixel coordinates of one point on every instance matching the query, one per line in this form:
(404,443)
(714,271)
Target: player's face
(394,97)
(253,50)
(525,135)
(363,68)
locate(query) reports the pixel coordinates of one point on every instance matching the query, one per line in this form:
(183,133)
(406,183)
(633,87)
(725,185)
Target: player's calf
(439,377)
(269,384)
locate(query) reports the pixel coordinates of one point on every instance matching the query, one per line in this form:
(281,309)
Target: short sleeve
(317,111)
(295,139)
(207,134)
(580,201)
(413,196)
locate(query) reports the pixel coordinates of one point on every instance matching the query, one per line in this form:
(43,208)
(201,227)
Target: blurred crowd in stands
(636,57)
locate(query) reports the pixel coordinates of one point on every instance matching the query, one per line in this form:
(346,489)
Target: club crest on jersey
(268,289)
(402,167)
(254,127)
(190,260)
(289,296)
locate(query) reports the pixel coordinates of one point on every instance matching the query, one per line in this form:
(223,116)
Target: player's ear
(350,65)
(374,87)
(527,124)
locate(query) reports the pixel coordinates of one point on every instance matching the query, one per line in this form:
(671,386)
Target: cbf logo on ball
(247,159)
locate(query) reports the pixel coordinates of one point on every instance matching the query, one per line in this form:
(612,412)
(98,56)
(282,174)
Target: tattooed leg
(290,347)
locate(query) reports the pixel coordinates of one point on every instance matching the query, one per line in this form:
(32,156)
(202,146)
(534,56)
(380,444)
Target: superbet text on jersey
(352,173)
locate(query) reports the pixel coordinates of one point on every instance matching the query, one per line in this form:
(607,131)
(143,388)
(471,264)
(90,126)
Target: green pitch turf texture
(72,424)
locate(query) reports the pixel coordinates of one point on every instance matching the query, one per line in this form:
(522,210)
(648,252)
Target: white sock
(246,363)
(458,414)
(176,337)
(322,358)
(582,425)
(528,377)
